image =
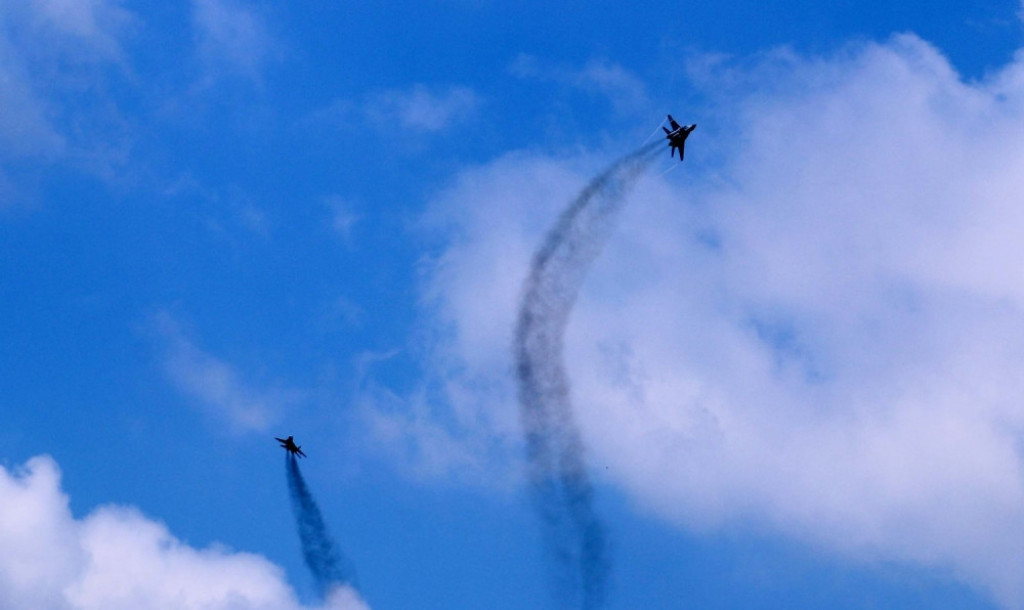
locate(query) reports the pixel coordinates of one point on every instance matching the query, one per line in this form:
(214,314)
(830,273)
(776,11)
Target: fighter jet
(677,136)
(290,445)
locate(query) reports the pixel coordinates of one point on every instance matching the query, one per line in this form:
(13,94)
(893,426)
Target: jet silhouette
(289,444)
(677,136)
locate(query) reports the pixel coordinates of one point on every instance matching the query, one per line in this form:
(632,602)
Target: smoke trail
(326,563)
(559,485)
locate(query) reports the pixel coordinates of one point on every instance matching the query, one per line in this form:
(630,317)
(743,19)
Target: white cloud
(216,384)
(73,31)
(45,47)
(115,558)
(344,313)
(94,25)
(423,109)
(823,337)
(343,217)
(426,445)
(25,128)
(232,37)
(55,57)
(626,92)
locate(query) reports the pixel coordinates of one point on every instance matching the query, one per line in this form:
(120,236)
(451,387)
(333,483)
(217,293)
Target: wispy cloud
(116,557)
(46,47)
(344,313)
(49,50)
(228,211)
(25,128)
(626,92)
(217,386)
(822,338)
(91,25)
(343,217)
(423,442)
(232,38)
(420,109)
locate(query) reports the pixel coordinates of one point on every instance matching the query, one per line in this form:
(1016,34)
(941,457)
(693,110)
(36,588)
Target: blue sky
(795,364)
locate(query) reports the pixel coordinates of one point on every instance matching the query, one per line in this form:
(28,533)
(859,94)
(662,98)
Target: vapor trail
(321,554)
(557,476)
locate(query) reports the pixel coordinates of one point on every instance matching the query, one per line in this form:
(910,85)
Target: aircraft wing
(280,440)
(673,123)
(299,451)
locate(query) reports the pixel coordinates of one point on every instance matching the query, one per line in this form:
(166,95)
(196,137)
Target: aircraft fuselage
(677,136)
(289,445)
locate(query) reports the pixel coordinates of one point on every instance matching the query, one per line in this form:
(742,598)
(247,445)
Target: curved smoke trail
(321,554)
(557,476)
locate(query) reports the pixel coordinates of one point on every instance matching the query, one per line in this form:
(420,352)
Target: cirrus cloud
(217,385)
